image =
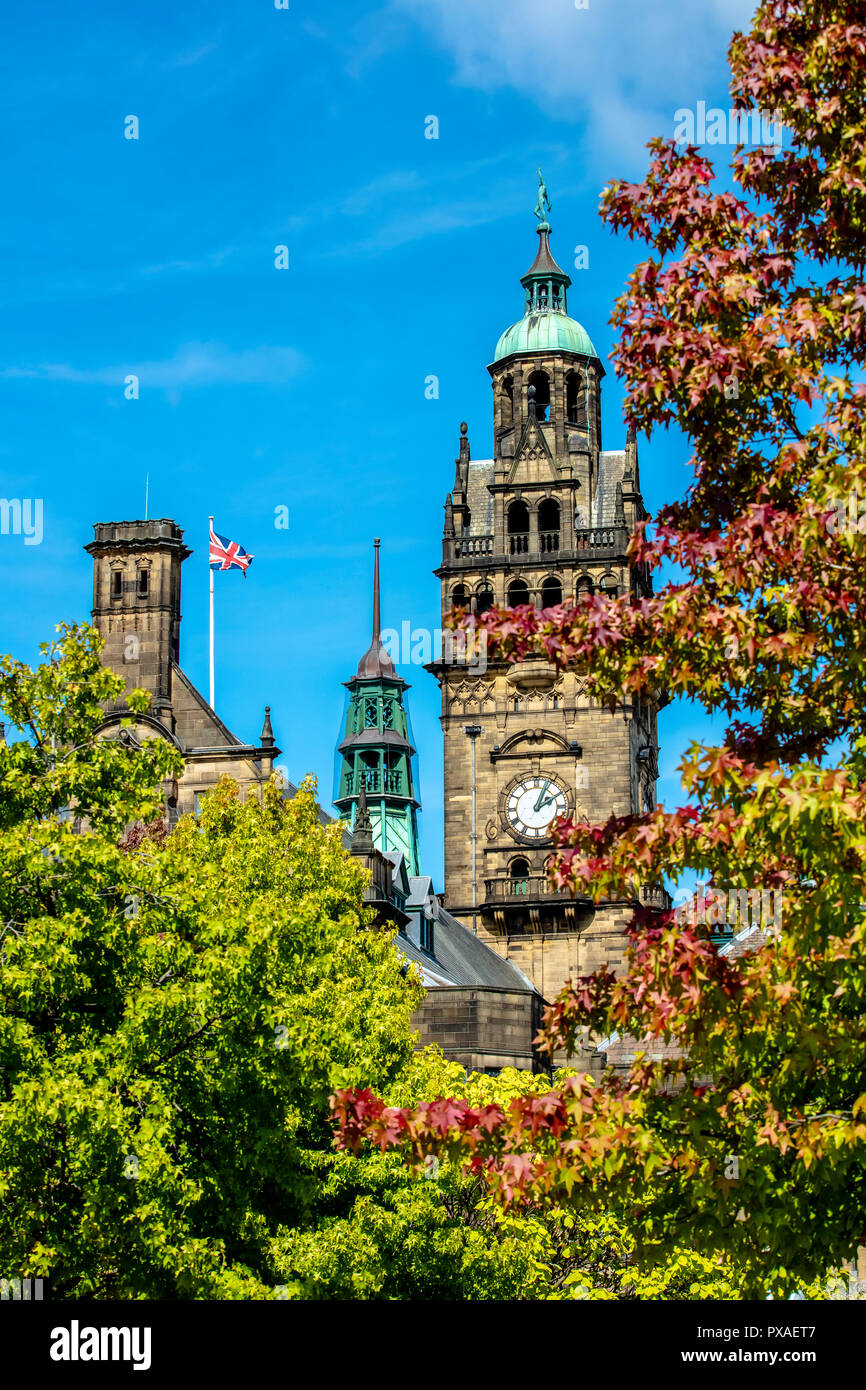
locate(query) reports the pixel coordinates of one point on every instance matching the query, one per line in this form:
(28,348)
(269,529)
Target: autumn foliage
(745,326)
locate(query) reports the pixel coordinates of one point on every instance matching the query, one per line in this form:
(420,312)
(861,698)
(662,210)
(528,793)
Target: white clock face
(533,804)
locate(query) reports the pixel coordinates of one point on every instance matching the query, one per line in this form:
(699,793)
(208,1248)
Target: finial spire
(267,739)
(545,282)
(376,662)
(377,623)
(362,833)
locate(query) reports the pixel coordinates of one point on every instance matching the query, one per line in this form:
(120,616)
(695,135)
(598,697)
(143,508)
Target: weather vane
(542,207)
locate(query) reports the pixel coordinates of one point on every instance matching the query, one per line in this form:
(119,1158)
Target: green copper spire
(545,282)
(375,788)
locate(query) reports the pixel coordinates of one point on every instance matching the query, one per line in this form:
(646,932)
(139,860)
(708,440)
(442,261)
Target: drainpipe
(472,731)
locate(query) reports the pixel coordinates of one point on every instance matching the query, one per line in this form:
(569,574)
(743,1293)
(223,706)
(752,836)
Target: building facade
(547,520)
(479,1008)
(137,609)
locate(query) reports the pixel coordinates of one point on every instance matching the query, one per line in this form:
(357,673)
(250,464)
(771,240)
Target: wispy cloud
(199,265)
(622,66)
(194,364)
(381,192)
(192,56)
(409,207)
(414,224)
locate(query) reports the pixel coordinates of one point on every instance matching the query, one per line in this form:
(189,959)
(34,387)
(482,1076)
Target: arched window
(548,526)
(518,528)
(584,587)
(460,597)
(519,874)
(506,401)
(541,382)
(518,592)
(575,400)
(467,521)
(485,600)
(551,593)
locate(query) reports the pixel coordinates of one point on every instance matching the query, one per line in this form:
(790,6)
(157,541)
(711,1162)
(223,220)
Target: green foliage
(432,1231)
(173,1020)
(176,1012)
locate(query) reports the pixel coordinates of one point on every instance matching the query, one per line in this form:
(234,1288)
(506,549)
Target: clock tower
(546,521)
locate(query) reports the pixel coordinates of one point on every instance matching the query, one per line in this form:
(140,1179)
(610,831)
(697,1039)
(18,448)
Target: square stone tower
(136,608)
(547,520)
(136,601)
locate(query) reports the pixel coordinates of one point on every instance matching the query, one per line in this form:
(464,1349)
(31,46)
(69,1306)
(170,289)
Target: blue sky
(305,387)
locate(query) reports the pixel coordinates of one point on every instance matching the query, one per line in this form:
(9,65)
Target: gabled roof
(194,716)
(400,876)
(459,957)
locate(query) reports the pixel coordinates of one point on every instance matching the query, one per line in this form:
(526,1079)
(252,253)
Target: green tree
(176,1011)
(173,1018)
(433,1231)
(746,326)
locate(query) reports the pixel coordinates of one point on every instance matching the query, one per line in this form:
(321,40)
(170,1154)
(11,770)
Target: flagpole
(210,572)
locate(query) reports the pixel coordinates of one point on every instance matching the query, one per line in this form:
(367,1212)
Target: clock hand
(540,802)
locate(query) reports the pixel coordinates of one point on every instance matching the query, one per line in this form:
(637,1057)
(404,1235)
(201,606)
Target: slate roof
(611,467)
(460,957)
(479,500)
(208,721)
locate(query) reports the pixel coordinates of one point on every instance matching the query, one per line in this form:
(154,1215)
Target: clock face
(533,804)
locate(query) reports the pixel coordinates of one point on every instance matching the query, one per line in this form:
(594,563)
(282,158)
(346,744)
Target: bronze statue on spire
(542,206)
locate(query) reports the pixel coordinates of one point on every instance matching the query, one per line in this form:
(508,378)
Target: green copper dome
(545,326)
(539,332)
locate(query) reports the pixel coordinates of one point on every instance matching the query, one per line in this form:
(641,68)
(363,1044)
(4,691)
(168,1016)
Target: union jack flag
(226,554)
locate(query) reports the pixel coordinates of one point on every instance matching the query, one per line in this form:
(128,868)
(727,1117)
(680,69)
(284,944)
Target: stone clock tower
(547,520)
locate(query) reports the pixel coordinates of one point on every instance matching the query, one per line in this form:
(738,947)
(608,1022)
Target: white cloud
(194,364)
(623,66)
(191,56)
(409,207)
(213,260)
